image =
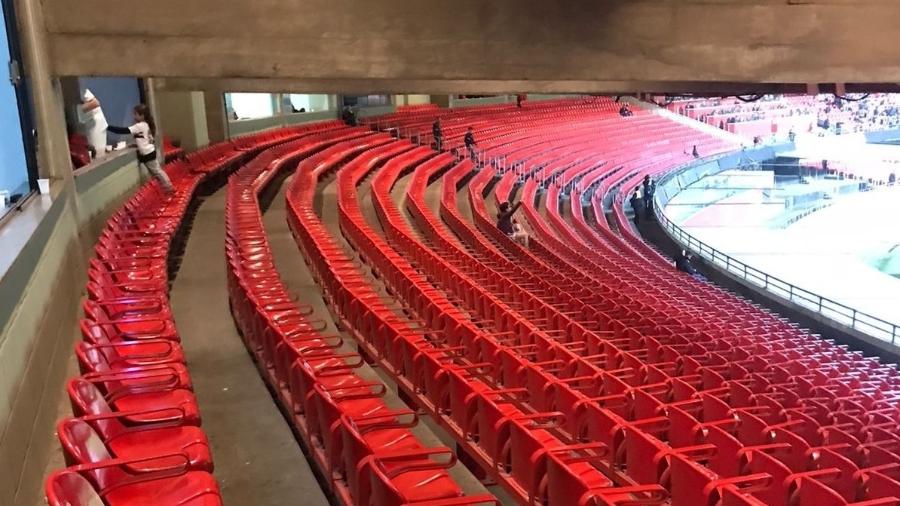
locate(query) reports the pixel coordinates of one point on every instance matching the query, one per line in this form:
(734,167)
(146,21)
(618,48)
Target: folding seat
(76,434)
(525,440)
(144,481)
(149,267)
(93,363)
(367,435)
(785,480)
(140,404)
(573,470)
(362,399)
(131,327)
(115,307)
(120,286)
(408,477)
(121,352)
(815,493)
(490,409)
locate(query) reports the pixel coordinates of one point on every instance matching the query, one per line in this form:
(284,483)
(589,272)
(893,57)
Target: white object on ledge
(44,186)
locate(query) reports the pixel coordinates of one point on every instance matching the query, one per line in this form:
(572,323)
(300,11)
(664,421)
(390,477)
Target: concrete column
(216,120)
(418,99)
(184,114)
(53,147)
(153,105)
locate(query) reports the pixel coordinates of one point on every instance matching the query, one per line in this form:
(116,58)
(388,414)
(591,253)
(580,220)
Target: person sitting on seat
(683,263)
(519,234)
(625,111)
(504,218)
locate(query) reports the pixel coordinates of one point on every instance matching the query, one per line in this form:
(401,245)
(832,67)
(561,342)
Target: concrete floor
(258,461)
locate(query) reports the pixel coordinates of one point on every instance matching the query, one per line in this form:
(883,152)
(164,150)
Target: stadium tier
(575,368)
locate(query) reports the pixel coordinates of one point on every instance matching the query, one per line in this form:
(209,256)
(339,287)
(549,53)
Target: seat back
(68,488)
(91,359)
(93,332)
(87,400)
(82,445)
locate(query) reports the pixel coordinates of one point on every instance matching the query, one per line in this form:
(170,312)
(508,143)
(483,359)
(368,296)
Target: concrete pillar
(216,120)
(53,147)
(153,105)
(184,114)
(441,100)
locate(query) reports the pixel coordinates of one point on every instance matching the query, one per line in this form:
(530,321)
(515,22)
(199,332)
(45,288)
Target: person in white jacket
(91,116)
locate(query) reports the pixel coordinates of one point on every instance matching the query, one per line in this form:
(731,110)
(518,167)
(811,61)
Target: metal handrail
(842,313)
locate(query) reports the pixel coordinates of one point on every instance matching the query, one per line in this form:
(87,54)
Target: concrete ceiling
(473,46)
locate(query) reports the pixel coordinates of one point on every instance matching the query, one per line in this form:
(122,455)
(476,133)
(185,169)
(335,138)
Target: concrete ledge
(15,278)
(89,175)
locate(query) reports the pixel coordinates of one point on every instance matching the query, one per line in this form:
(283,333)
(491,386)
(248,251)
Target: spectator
(504,218)
(792,135)
(683,263)
(91,116)
(519,234)
(635,202)
(519,100)
(438,134)
(892,178)
(469,141)
(649,190)
(348,115)
(695,153)
(625,111)
(143,130)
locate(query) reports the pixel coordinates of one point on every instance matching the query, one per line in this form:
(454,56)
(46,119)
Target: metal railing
(841,313)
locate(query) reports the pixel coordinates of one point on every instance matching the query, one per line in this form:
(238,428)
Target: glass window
(367,100)
(306,103)
(249,105)
(16,179)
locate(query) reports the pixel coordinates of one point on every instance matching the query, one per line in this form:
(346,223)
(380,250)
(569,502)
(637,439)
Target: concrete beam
(517,45)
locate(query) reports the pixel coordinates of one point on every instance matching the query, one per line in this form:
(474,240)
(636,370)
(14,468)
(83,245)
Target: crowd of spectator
(873,113)
(829,114)
(737,111)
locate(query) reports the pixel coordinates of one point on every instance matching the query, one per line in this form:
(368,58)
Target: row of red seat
(136,438)
(366,450)
(431,364)
(516,432)
(587,244)
(683,368)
